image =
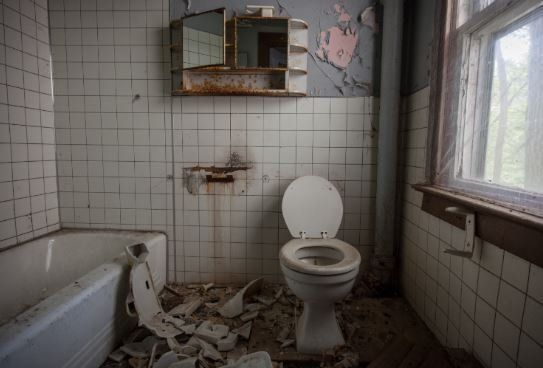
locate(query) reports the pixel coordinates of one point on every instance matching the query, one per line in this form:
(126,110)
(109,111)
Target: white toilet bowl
(319,269)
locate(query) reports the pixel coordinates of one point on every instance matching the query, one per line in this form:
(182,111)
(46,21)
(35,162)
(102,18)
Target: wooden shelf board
(237,92)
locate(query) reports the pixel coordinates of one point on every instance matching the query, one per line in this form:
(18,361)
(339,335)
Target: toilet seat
(312,208)
(289,256)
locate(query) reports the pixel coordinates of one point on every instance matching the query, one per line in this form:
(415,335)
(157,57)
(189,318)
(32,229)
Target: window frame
(451,72)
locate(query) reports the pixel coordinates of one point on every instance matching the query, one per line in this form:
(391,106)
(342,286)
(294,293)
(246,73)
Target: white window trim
(452,113)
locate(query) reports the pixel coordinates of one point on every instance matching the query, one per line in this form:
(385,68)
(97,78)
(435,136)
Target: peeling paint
(343,15)
(337,46)
(367,18)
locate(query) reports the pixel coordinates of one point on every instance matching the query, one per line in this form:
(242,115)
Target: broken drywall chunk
(234,307)
(367,18)
(259,359)
(249,316)
(228,343)
(141,349)
(186,309)
(211,333)
(244,331)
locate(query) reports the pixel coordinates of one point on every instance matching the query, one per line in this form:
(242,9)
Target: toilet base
(318,329)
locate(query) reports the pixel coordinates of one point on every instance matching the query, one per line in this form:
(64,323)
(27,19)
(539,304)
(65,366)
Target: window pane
(514,139)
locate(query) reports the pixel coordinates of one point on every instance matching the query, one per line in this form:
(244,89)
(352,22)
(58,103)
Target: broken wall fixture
(253,54)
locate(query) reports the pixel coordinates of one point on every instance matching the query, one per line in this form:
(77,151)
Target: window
(490,137)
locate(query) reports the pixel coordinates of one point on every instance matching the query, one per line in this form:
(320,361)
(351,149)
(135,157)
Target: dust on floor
(368,324)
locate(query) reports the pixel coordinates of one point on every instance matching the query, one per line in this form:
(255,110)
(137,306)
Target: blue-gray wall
(418,38)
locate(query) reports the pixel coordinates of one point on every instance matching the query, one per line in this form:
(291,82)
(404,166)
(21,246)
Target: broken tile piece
(210,332)
(253,307)
(179,349)
(141,349)
(188,329)
(249,316)
(117,355)
(206,287)
(228,343)
(259,359)
(186,309)
(287,343)
(166,360)
(283,334)
(208,351)
(266,300)
(185,363)
(244,331)
(234,307)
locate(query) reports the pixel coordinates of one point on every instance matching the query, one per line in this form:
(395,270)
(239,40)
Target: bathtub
(62,296)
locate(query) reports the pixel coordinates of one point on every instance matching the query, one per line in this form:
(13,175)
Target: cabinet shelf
(190,77)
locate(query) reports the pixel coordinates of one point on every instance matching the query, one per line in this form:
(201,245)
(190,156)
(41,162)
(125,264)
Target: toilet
(319,269)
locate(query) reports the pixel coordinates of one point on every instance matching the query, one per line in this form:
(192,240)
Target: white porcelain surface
(82,277)
(319,256)
(311,204)
(317,329)
(319,270)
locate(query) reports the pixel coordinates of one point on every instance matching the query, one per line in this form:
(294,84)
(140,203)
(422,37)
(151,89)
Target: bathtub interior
(44,266)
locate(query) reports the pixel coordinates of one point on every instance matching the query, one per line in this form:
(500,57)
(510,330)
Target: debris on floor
(197,332)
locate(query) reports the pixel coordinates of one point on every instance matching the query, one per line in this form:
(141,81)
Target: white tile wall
(201,48)
(113,113)
(28,184)
(233,232)
(118,153)
(491,305)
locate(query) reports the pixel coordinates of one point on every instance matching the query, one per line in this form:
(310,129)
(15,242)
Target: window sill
(515,231)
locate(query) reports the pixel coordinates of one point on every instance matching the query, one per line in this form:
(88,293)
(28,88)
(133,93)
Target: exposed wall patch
(337,46)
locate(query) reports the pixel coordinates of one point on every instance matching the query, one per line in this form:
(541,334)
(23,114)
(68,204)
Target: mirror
(262,42)
(203,39)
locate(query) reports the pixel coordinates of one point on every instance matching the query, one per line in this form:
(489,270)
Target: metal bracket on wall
(470,232)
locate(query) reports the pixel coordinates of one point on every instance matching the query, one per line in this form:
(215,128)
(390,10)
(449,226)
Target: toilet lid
(311,204)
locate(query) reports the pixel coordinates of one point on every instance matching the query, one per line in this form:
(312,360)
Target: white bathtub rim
(34,319)
(53,307)
(140,234)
